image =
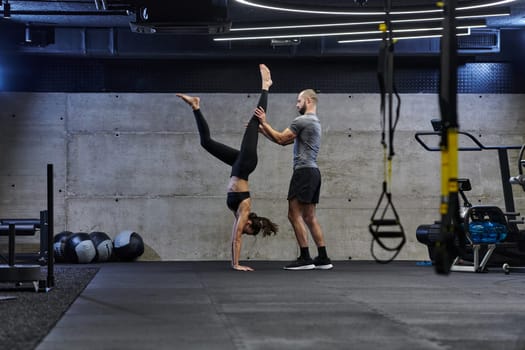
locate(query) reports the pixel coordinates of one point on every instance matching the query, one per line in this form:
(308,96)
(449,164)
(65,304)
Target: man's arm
(262,131)
(283,138)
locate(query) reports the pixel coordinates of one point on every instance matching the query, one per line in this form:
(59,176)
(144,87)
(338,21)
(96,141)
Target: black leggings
(243,161)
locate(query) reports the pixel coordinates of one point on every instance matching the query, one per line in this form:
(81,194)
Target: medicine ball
(79,248)
(103,245)
(128,245)
(58,245)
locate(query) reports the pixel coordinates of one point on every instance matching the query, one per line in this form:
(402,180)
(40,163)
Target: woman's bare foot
(193,101)
(266,77)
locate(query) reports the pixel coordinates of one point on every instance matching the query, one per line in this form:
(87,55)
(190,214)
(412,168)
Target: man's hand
(242,268)
(261,114)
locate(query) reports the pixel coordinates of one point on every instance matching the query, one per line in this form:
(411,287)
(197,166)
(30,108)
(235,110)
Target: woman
(243,163)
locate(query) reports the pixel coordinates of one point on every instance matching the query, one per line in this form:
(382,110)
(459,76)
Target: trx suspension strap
(452,235)
(384,223)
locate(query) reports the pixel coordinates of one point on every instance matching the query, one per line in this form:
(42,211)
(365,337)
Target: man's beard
(302,110)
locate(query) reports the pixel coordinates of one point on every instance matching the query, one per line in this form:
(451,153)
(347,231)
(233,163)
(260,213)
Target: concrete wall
(133,161)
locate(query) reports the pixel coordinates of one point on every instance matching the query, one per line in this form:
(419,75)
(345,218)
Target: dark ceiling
(102,28)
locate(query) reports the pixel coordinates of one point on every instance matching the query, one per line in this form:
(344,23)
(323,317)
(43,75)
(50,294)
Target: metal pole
(50,228)
(11,253)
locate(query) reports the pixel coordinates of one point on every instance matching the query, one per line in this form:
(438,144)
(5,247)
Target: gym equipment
(58,245)
(29,227)
(429,234)
(103,246)
(483,225)
(128,245)
(518,180)
(381,227)
(507,242)
(451,240)
(22,273)
(79,248)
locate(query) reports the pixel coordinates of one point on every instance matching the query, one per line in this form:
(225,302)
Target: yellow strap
(449,169)
(385,166)
(389,173)
(453,159)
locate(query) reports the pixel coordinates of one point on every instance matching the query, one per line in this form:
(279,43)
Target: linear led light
(457,17)
(349,24)
(289,36)
(380,19)
(313,35)
(395,38)
(300,26)
(497,3)
(461,32)
(361,12)
(318,12)
(471,27)
(493,14)
(366,29)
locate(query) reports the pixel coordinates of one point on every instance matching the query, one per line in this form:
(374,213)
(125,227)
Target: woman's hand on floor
(242,268)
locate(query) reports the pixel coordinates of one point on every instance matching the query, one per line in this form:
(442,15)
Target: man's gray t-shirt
(308,141)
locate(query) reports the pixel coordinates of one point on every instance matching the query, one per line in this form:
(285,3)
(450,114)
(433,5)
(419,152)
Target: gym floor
(357,305)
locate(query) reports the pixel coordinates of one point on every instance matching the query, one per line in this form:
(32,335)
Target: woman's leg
(247,161)
(225,153)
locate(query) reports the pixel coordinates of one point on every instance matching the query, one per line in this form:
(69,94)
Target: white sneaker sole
(324,267)
(298,268)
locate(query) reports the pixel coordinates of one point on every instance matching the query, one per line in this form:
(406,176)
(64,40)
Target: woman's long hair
(261,223)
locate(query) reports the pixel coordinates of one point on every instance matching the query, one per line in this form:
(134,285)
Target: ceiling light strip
(293,36)
(300,26)
(348,24)
(320,12)
(266,26)
(462,32)
(492,4)
(314,35)
(362,12)
(330,32)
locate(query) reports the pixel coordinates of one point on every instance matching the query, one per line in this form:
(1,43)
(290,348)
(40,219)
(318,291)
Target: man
(303,195)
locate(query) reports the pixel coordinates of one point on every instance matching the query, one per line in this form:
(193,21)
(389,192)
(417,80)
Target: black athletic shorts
(305,185)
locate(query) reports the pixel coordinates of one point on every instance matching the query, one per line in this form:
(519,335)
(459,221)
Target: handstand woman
(243,163)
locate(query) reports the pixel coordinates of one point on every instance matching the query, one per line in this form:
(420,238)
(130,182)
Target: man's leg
(304,262)
(295,216)
(322,261)
(309,217)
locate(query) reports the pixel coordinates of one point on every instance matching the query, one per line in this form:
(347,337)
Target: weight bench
(18,274)
(23,227)
(27,227)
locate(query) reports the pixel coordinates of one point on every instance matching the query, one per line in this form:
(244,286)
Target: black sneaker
(301,264)
(323,263)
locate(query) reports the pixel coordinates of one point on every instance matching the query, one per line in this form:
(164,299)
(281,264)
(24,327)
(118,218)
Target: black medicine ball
(103,245)
(79,248)
(128,245)
(58,245)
